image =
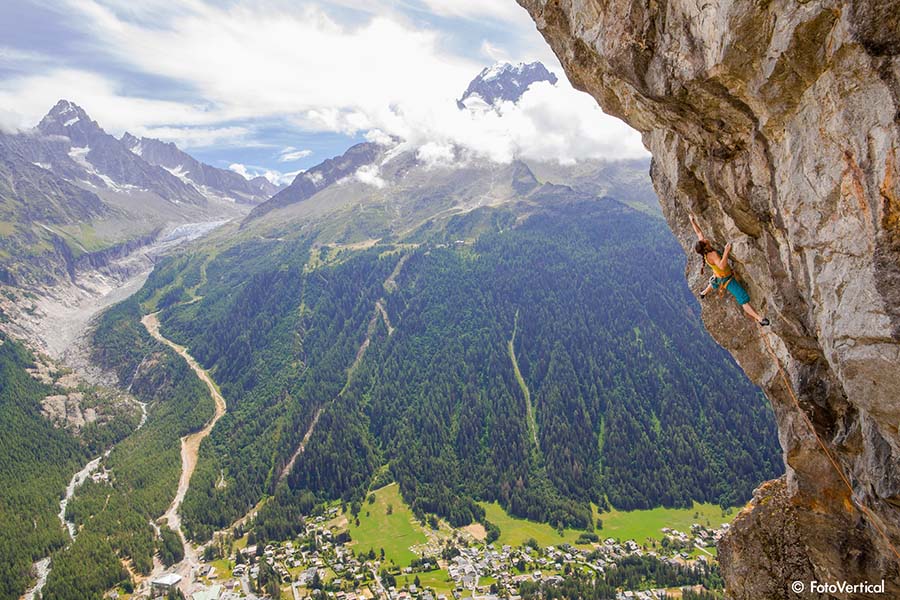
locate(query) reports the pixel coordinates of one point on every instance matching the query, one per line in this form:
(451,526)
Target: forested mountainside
(112,516)
(49,428)
(39,459)
(547,365)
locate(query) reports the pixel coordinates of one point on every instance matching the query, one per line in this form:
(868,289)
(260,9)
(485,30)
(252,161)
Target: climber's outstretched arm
(696,227)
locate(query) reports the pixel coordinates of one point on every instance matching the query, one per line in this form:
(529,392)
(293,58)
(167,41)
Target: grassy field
(438,580)
(223,568)
(241,543)
(640,525)
(637,525)
(394,532)
(515,531)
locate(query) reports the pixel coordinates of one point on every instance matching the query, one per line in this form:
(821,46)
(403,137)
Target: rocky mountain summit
(503,82)
(776,124)
(317,178)
(73,197)
(208,179)
(82,220)
(105,160)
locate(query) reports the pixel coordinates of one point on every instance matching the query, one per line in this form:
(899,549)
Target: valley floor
(190,448)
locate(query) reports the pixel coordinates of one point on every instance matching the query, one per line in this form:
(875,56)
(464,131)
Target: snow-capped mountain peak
(503,82)
(69,120)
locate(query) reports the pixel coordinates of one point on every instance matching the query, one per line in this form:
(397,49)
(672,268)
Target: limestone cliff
(778,123)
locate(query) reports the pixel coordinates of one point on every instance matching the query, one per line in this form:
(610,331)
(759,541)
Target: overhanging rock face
(778,124)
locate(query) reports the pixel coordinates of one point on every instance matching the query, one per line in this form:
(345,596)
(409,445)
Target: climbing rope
(840,471)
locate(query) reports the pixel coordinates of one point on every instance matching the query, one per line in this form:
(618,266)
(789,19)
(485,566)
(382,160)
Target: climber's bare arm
(722,263)
(696,227)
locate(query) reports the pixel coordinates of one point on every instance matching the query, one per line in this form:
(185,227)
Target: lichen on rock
(778,124)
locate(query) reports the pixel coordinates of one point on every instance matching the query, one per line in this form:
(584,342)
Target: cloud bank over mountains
(228,74)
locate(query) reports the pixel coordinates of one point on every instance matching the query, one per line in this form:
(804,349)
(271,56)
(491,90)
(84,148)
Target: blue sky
(276,86)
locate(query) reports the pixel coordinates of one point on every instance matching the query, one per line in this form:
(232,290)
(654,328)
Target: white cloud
(494,53)
(200,137)
(31,96)
(548,123)
(277,59)
(10,122)
(479,9)
(14,57)
(370,175)
(435,154)
(291,154)
(377,136)
(381,77)
(274,177)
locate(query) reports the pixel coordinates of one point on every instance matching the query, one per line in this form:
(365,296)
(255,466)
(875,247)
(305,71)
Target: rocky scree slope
(777,124)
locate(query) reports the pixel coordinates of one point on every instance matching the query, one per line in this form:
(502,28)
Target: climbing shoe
(764,323)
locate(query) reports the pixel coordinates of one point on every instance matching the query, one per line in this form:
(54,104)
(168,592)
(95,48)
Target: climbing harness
(862,507)
(723,285)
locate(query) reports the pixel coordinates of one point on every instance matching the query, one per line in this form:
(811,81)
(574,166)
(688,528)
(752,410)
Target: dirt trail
(312,427)
(529,411)
(190,444)
(389,285)
(379,310)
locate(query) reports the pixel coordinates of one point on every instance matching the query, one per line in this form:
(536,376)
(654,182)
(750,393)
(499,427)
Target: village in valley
(335,556)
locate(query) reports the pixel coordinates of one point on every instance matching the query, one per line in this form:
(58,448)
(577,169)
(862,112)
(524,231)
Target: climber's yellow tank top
(721,273)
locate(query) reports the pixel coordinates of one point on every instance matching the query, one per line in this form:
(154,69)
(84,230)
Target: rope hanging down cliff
(837,467)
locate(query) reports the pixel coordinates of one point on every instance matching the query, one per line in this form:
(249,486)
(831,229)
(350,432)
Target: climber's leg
(743,298)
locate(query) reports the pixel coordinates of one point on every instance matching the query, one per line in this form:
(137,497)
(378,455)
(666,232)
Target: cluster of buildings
(700,537)
(160,587)
(319,565)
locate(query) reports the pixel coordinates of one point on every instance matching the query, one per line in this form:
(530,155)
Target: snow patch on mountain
(79,155)
(181,173)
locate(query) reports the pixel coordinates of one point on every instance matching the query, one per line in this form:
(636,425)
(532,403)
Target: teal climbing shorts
(735,288)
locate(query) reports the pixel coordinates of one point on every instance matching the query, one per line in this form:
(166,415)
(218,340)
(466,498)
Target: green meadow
(515,531)
(394,532)
(641,525)
(637,525)
(397,531)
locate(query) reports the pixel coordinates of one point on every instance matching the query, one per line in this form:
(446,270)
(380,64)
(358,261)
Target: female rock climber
(722,275)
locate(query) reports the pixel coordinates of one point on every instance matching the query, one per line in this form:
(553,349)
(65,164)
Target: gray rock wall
(776,123)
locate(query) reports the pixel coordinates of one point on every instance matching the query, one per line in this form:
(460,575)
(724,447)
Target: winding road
(190,444)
